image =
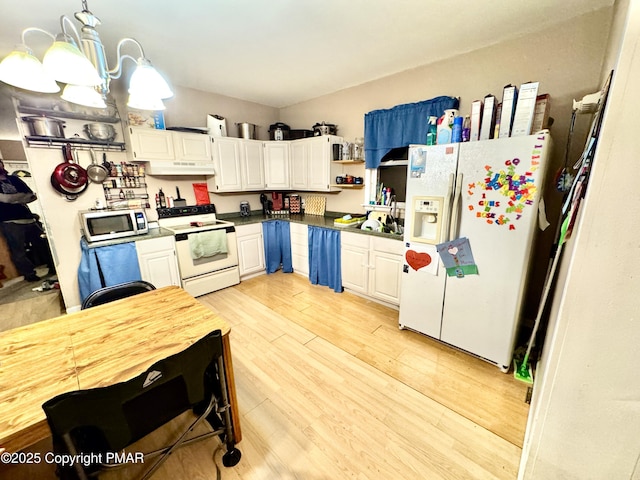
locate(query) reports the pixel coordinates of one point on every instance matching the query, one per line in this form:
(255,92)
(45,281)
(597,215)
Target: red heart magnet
(417,260)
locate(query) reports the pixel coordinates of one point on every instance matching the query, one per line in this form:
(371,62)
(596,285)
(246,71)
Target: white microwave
(101,225)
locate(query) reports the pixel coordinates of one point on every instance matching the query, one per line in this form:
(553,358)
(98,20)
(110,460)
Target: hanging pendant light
(82,65)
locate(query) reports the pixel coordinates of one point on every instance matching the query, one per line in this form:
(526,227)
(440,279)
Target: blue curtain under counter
(324,258)
(106,266)
(277,246)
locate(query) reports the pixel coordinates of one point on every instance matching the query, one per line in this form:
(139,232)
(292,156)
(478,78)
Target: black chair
(95,423)
(116,292)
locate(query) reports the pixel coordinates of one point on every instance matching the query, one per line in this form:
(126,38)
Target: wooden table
(94,348)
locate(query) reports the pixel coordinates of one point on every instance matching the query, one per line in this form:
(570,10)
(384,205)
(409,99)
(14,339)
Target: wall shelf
(73,123)
(349,162)
(348,185)
(48,112)
(79,142)
(129,180)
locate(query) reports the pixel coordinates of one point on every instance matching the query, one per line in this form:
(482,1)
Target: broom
(523,370)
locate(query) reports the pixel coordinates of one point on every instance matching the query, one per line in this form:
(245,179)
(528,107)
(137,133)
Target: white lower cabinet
(372,266)
(250,249)
(158,262)
(299,248)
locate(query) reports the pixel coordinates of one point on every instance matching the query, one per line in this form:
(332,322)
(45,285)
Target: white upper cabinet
(170,152)
(226,160)
(311,163)
(252,162)
(276,165)
(299,159)
(319,160)
(239,165)
(151,144)
(191,146)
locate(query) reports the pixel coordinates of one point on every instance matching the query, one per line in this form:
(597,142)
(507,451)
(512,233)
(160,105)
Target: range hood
(179,167)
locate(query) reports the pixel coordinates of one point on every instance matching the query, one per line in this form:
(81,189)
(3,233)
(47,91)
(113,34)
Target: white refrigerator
(486,192)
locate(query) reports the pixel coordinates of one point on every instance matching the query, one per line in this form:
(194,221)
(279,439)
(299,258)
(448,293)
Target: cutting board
(315,205)
(380,216)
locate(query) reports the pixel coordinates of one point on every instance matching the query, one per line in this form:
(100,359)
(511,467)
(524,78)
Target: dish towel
(208,244)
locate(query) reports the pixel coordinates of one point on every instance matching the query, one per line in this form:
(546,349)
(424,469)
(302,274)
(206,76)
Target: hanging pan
(96,172)
(69,178)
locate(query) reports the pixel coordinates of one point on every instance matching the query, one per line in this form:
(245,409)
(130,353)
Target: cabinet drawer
(252,229)
(357,240)
(387,245)
(299,235)
(297,228)
(155,244)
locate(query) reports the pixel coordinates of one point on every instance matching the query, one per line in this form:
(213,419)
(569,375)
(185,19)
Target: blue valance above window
(400,126)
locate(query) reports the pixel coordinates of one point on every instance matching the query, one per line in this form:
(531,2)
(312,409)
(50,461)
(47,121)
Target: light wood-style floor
(329,388)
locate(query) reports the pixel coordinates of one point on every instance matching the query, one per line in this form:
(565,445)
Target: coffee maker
(267,205)
(245,209)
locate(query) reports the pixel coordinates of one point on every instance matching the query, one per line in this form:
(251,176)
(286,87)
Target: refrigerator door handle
(455,220)
(444,232)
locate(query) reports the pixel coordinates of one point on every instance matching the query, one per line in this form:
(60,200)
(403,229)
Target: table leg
(231,388)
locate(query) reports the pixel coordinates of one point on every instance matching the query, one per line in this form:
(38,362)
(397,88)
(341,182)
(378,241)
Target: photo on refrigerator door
(457,258)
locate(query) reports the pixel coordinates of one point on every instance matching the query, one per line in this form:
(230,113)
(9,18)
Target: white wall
(585,414)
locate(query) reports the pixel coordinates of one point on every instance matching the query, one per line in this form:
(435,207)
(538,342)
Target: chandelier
(79,61)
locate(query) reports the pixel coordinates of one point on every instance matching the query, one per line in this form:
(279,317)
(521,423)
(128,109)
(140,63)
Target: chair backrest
(115,292)
(108,419)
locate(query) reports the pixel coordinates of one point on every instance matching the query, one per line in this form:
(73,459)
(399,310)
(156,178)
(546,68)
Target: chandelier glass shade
(83,95)
(67,64)
(23,70)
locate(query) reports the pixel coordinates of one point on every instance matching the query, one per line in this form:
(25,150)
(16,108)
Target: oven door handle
(180,237)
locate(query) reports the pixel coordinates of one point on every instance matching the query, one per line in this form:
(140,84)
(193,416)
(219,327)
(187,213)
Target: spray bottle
(431,131)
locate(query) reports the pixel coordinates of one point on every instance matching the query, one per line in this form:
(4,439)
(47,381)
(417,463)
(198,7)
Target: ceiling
(282,52)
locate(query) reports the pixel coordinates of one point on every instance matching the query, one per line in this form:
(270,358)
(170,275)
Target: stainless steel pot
(325,129)
(45,127)
(100,131)
(247,130)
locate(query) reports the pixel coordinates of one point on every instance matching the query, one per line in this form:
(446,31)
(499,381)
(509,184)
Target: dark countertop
(153,233)
(325,221)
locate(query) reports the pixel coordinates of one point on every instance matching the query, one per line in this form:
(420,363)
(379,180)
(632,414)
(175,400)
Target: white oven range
(209,273)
